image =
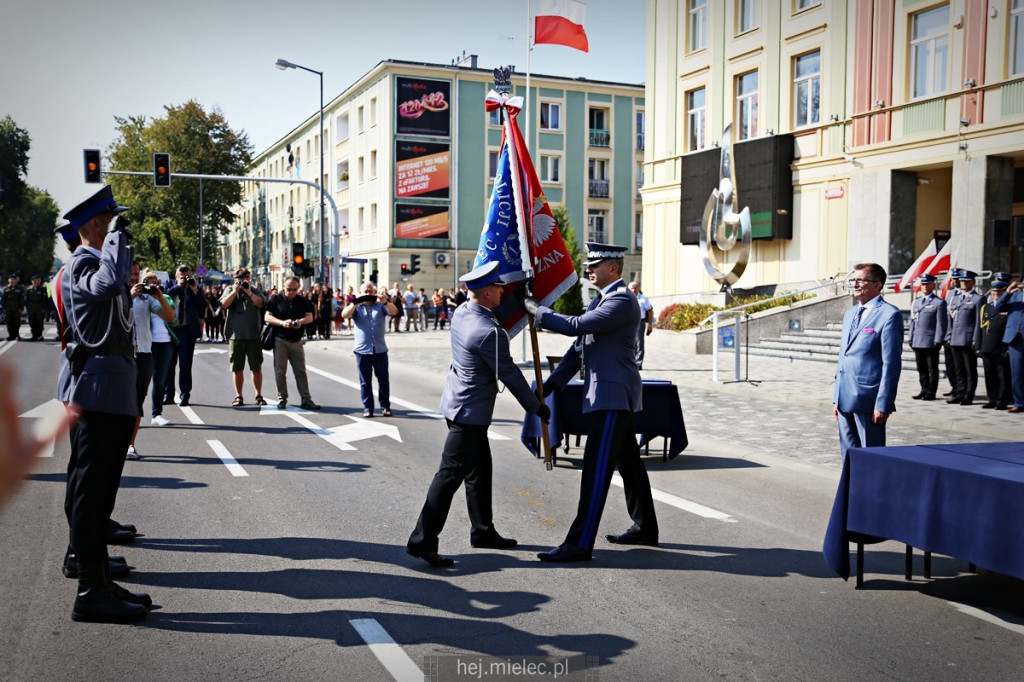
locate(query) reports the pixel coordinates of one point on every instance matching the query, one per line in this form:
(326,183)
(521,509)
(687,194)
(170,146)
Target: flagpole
(528,110)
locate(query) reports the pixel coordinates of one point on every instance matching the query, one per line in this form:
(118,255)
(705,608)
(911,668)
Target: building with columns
(411,155)
(903,121)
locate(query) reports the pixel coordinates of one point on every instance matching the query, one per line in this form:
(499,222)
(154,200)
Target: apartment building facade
(904,120)
(410,157)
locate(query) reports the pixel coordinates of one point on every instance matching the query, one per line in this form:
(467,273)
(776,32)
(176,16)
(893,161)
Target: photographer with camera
(147,301)
(243,305)
(290,312)
(189,307)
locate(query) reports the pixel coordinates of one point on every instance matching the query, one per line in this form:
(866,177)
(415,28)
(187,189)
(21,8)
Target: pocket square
(868,330)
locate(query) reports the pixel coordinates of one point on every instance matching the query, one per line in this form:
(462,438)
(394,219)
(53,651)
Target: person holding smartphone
(289,312)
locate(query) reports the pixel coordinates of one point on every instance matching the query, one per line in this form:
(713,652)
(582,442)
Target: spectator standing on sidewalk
(410,299)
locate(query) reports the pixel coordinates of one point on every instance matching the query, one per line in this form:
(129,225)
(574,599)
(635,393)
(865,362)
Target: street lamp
(285,64)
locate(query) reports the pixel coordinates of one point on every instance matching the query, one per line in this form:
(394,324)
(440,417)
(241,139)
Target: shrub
(680,316)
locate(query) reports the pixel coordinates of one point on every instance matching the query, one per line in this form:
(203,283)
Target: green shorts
(240,349)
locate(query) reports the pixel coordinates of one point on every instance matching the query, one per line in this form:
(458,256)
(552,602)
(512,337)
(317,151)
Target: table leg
(928,565)
(860,565)
(908,564)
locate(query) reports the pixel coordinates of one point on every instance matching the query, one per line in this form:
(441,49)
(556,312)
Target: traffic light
(405,270)
(414,263)
(92,165)
(161,169)
(299,265)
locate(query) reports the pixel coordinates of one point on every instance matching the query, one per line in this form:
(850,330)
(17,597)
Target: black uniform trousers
(998,386)
(13,325)
(965,360)
(36,318)
(611,443)
(466,458)
(928,370)
(98,443)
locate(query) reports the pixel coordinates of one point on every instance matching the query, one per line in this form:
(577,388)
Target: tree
(165,220)
(27,215)
(571,302)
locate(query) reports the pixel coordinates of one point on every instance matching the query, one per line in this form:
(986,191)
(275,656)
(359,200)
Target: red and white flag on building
(560,22)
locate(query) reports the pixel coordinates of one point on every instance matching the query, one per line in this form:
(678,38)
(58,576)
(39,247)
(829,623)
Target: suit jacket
(991,329)
(195,306)
(928,321)
(868,372)
(963,318)
(1014,305)
(98,309)
(480,356)
(606,349)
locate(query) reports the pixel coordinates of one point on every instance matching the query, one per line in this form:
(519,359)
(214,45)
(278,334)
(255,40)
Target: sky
(69,68)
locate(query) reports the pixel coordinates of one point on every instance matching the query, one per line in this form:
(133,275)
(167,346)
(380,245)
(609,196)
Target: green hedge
(680,316)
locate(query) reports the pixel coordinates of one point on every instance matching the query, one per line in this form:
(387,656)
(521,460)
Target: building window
(595,226)
(373,218)
(342,170)
(638,231)
(1017,38)
(696,119)
(361,225)
(550,116)
(639,178)
(361,166)
(698,24)
(494,117)
(360,122)
(373,111)
(600,136)
(598,173)
(373,163)
(641,126)
(746,106)
(550,168)
(807,89)
(342,127)
(492,164)
(929,52)
(748,15)
(806,4)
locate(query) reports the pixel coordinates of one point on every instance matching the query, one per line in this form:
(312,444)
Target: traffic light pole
(245,178)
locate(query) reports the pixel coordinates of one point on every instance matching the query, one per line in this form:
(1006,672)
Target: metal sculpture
(723,223)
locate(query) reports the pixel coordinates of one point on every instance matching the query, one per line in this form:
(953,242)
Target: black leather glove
(544,412)
(530,305)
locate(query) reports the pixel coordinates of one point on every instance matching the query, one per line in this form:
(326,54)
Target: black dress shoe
(183,402)
(130,527)
(930,396)
(566,553)
(967,401)
(953,401)
(120,537)
(946,395)
(494,542)
(432,558)
(988,406)
(118,567)
(130,597)
(633,537)
(919,396)
(1000,406)
(97,604)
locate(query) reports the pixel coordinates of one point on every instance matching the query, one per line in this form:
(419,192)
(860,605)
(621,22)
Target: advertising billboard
(414,221)
(422,169)
(423,107)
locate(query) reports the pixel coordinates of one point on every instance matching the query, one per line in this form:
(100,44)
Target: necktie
(856,322)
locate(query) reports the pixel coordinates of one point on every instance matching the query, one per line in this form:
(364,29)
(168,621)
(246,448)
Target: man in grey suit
(101,390)
(605,351)
(963,323)
(480,359)
(868,373)
(927,331)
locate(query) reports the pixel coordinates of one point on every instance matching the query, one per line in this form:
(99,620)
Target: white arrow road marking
(425,411)
(47,415)
(339,436)
(230,462)
(387,650)
(680,503)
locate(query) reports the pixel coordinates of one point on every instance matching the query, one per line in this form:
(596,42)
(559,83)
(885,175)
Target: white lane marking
(425,411)
(216,351)
(233,466)
(988,617)
(6,346)
(387,650)
(680,503)
(191,415)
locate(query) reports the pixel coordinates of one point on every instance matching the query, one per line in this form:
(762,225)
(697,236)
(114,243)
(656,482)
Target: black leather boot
(96,603)
(118,565)
(121,593)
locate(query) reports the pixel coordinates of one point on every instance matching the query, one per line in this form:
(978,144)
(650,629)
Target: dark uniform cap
(36,277)
(483,276)
(968,276)
(597,252)
(997,284)
(1004,277)
(99,203)
(67,232)
(927,279)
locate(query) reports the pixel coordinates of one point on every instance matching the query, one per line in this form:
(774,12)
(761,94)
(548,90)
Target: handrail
(737,309)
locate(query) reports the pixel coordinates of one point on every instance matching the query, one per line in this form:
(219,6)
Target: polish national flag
(940,262)
(918,268)
(560,22)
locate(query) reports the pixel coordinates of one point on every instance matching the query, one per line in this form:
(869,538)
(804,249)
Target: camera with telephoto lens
(190,280)
(244,284)
(151,289)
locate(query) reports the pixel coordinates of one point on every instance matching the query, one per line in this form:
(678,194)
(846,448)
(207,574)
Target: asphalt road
(290,564)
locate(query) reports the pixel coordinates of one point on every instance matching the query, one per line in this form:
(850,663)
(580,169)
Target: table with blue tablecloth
(661,417)
(962,500)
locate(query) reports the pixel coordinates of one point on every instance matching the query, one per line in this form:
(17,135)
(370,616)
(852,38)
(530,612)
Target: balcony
(600,138)
(598,189)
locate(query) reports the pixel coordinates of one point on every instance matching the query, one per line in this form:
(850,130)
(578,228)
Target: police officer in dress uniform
(989,342)
(963,314)
(952,295)
(101,362)
(480,359)
(14,305)
(605,352)
(1012,303)
(928,320)
(36,304)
